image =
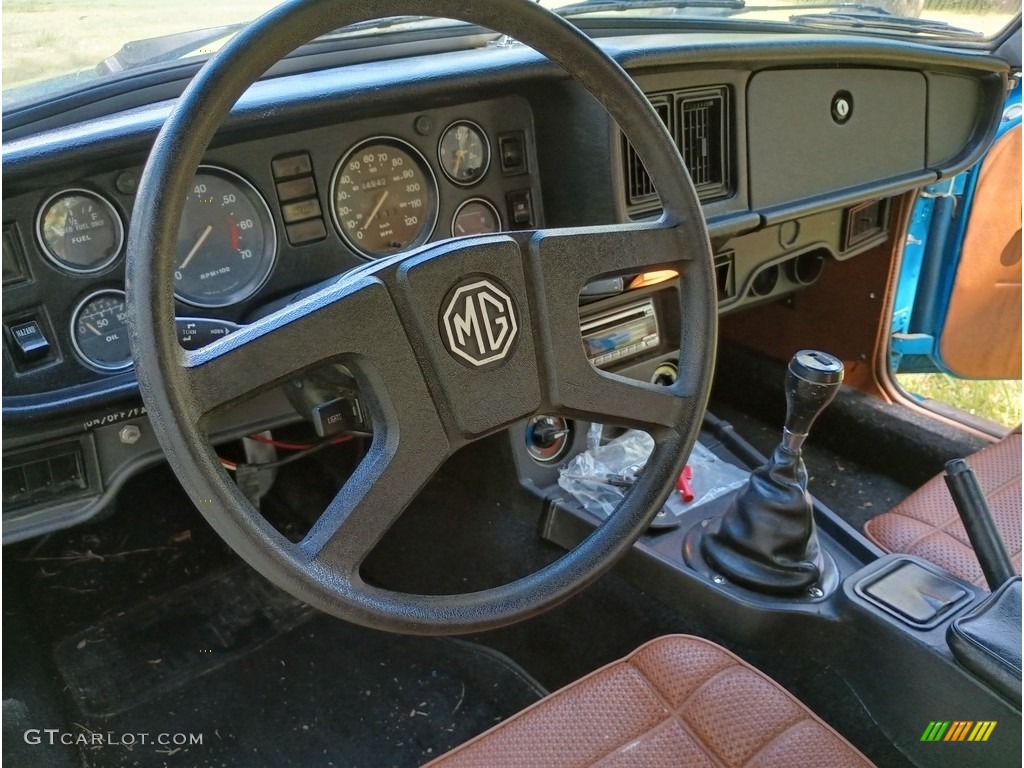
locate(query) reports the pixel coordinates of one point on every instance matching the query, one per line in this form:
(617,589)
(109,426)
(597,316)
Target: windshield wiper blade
(844,6)
(602,6)
(373,24)
(883,23)
(154,50)
(168,48)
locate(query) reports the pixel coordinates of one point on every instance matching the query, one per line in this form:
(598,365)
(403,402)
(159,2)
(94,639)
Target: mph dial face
(384,197)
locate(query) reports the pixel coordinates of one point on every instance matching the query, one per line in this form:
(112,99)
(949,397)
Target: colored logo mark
(958,730)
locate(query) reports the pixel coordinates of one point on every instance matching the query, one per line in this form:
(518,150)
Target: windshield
(53,46)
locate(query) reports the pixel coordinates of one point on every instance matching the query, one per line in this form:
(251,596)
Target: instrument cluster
(451,173)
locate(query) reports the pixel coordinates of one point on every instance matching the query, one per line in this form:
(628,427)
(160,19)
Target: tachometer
(226,243)
(384,197)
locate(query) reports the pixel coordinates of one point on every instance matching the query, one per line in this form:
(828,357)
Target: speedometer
(384,197)
(226,242)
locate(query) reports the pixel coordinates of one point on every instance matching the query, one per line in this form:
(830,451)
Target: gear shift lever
(766,539)
(812,381)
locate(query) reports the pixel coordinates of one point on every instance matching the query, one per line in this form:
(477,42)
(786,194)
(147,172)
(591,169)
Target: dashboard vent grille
(702,140)
(640,189)
(698,121)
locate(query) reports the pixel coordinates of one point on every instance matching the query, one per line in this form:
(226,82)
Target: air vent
(698,121)
(702,140)
(639,187)
(725,275)
(43,475)
(864,222)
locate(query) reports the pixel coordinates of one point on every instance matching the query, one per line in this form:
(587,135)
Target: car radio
(620,333)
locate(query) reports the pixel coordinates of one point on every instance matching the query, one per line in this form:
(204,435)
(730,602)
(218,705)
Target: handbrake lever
(980,525)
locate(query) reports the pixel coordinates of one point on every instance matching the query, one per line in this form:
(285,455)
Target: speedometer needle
(197,246)
(376,209)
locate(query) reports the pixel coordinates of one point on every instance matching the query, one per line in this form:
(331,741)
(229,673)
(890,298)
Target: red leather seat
(676,701)
(926,523)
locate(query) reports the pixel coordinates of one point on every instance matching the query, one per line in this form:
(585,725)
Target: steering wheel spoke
(609,399)
(353,320)
(560,264)
(385,483)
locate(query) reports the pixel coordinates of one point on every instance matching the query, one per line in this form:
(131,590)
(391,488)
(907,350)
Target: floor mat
(283,687)
(165,643)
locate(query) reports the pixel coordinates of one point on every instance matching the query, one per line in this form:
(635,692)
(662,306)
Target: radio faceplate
(620,333)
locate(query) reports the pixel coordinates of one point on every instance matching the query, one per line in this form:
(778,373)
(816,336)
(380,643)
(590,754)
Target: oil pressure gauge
(99,333)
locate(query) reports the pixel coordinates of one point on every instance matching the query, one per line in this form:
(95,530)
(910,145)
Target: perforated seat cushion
(676,702)
(926,523)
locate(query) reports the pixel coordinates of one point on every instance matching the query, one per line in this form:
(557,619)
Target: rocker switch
(30,342)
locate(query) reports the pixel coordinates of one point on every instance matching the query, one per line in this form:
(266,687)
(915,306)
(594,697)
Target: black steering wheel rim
(167,373)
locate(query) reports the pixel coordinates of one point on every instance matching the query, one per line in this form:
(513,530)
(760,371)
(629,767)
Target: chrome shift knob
(812,381)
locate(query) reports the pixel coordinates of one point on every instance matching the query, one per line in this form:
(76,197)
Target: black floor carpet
(290,695)
(264,681)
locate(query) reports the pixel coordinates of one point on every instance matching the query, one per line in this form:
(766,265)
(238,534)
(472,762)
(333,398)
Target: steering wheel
(448,343)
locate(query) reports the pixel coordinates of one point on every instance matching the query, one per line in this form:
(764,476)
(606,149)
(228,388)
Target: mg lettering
(479,323)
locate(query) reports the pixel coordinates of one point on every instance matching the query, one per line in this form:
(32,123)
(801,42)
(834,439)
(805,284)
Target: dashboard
(797,154)
(264,220)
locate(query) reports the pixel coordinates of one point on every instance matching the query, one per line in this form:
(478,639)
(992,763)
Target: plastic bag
(600,477)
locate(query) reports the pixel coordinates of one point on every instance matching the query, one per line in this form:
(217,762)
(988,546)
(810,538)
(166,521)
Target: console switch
(30,343)
(512,152)
(339,416)
(520,208)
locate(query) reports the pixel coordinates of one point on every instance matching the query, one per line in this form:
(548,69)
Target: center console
(878,621)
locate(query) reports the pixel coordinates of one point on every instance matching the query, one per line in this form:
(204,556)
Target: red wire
(294,446)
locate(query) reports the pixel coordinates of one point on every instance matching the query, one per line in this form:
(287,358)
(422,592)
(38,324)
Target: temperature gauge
(464,153)
(475,217)
(99,333)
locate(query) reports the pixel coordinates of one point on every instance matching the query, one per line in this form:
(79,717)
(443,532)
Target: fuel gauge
(464,153)
(80,231)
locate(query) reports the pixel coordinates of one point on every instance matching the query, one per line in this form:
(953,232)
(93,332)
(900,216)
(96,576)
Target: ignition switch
(548,438)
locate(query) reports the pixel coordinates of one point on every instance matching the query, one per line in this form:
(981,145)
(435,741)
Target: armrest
(987,641)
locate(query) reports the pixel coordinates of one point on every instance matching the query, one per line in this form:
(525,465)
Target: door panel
(981,337)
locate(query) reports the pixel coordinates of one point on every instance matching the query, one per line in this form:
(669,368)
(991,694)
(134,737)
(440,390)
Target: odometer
(384,197)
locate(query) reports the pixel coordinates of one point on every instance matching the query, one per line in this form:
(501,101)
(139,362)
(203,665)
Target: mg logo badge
(479,323)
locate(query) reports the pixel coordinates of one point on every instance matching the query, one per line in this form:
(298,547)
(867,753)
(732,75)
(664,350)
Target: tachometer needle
(197,246)
(376,209)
